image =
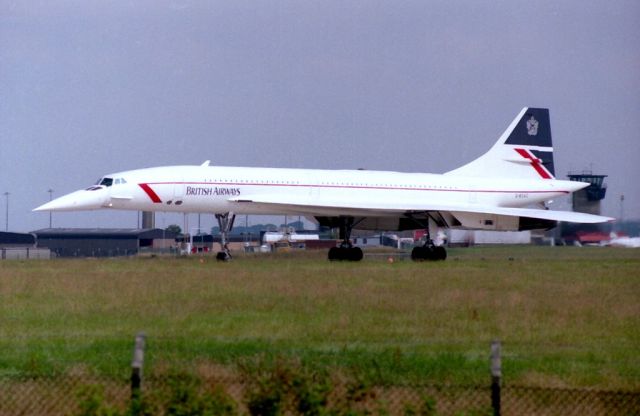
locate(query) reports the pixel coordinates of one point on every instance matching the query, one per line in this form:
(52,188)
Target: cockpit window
(106,182)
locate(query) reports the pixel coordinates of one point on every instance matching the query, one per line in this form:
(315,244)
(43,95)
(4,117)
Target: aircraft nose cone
(76,201)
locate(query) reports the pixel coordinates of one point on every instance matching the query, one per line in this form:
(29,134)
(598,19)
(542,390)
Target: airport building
(20,246)
(101,242)
(17,240)
(587,200)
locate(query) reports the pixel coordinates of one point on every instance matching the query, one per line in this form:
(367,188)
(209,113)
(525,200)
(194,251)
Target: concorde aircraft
(504,189)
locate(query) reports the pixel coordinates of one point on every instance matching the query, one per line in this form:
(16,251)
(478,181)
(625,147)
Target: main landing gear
(346,250)
(428,251)
(225,222)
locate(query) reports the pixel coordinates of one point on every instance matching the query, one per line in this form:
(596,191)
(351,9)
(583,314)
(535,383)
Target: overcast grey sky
(94,87)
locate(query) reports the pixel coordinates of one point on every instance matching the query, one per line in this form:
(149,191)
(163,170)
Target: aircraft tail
(523,151)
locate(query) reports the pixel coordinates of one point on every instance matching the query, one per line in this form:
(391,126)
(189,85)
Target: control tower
(588,199)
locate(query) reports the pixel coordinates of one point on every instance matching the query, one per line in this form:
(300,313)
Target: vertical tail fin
(523,151)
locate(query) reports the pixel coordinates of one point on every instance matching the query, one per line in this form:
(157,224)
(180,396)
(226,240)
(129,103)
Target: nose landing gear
(225,222)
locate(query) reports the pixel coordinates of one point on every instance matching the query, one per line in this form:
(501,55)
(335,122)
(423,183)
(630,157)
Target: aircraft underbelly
(482,221)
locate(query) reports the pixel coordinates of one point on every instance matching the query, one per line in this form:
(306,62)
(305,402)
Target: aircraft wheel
(223,256)
(439,253)
(430,253)
(354,254)
(335,254)
(420,253)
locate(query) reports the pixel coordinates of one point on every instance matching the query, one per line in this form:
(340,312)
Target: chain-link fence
(261,386)
(182,394)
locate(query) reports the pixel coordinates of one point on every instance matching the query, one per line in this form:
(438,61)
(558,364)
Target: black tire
(439,253)
(418,254)
(429,253)
(223,256)
(354,254)
(335,253)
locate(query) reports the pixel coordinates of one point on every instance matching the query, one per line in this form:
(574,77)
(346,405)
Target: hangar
(20,246)
(103,242)
(16,240)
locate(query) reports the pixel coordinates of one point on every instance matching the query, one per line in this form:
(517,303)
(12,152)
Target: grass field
(567,316)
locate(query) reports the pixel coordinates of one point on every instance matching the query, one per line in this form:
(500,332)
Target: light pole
(6,195)
(50,199)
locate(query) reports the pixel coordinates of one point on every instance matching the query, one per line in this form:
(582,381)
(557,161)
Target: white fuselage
(209,189)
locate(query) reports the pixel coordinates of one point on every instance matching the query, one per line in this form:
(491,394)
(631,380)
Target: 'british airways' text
(212,191)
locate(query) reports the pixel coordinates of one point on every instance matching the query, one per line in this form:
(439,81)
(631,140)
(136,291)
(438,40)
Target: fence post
(496,376)
(136,371)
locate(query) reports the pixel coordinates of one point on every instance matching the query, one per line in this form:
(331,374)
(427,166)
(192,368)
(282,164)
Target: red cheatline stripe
(154,196)
(535,162)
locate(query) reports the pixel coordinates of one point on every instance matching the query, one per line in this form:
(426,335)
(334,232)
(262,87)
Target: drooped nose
(86,199)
